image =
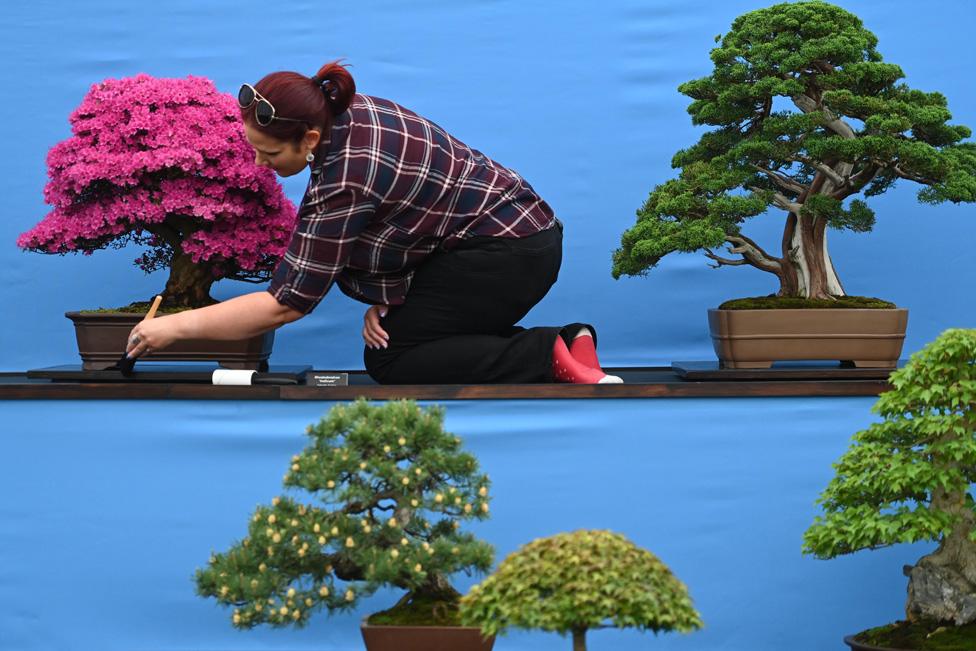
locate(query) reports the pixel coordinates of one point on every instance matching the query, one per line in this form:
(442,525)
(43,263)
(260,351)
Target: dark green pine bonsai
(389,491)
(806,116)
(909,478)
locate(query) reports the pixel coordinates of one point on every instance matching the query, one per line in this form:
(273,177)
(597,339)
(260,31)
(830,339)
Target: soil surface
(917,637)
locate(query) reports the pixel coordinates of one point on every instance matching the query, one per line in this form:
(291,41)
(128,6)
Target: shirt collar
(331,144)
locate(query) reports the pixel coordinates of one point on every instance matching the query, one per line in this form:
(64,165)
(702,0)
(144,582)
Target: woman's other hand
(373,334)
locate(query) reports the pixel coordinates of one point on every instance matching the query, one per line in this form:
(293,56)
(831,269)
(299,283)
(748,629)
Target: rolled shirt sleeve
(328,227)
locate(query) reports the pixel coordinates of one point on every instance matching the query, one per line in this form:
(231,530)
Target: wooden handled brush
(152,309)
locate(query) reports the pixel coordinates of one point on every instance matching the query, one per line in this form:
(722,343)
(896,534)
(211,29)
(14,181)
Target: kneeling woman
(450,248)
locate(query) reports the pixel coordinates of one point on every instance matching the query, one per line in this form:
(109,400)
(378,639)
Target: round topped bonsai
(388,490)
(576,582)
(908,478)
(163,163)
(805,117)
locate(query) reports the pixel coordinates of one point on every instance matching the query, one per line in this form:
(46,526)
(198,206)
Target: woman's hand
(150,335)
(373,334)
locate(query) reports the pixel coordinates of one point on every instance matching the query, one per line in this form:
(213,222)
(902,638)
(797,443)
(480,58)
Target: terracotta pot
(858,646)
(757,338)
(424,638)
(102,340)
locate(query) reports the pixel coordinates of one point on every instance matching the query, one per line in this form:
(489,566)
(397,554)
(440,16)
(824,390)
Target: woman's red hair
(316,101)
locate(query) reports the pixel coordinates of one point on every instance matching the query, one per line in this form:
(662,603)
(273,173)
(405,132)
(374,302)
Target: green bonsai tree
(390,490)
(575,582)
(908,478)
(806,117)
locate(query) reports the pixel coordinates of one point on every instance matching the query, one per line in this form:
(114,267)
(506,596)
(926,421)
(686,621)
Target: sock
(584,350)
(566,368)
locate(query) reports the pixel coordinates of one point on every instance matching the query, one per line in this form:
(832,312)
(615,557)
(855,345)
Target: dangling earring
(309,157)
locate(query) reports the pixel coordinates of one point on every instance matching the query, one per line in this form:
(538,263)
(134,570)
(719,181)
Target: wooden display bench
(681,380)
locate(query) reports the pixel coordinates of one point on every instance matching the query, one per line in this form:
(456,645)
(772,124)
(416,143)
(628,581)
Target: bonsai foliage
(164,163)
(806,116)
(389,489)
(575,582)
(908,478)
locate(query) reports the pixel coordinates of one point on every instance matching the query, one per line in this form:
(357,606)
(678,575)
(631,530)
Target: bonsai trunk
(437,587)
(807,270)
(579,639)
(189,282)
(437,590)
(942,585)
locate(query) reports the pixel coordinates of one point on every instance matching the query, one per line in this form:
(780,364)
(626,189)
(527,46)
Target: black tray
(162,372)
(705,371)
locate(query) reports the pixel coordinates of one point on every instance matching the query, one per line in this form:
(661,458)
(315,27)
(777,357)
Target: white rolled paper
(229,376)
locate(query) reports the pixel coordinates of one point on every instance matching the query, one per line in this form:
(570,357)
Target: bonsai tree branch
(808,105)
(745,244)
(355,508)
(780,200)
(858,181)
(754,253)
(897,169)
(782,181)
(170,235)
(253,281)
(826,170)
(723,262)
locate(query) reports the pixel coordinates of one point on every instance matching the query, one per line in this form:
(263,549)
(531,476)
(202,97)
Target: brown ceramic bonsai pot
(757,338)
(102,340)
(424,638)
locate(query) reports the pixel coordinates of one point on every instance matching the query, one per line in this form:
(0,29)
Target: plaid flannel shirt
(392,188)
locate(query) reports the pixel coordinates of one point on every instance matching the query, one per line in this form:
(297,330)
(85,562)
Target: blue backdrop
(108,507)
(579,97)
(107,510)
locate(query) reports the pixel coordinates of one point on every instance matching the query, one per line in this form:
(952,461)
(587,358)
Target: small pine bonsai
(908,478)
(806,116)
(575,582)
(163,163)
(392,488)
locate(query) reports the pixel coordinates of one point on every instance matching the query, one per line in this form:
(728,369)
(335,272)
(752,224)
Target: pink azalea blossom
(161,162)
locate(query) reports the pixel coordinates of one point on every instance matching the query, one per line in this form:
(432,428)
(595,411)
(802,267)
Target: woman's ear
(311,138)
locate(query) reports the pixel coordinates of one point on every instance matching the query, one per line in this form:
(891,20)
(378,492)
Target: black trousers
(457,324)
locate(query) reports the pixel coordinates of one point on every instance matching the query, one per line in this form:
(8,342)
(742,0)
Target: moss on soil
(139,307)
(773,302)
(419,611)
(902,635)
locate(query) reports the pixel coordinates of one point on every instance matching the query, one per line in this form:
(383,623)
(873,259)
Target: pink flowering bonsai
(163,163)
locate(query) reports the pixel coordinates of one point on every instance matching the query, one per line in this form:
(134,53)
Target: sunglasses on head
(264,111)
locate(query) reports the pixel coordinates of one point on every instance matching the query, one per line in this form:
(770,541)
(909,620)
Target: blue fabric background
(108,507)
(579,97)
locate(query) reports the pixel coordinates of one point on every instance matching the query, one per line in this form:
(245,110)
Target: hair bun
(337,85)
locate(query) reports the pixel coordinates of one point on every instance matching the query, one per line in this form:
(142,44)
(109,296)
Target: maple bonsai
(806,116)
(580,581)
(164,163)
(908,478)
(389,489)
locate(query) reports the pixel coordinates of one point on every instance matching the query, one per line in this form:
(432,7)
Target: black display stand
(164,373)
(152,382)
(713,371)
